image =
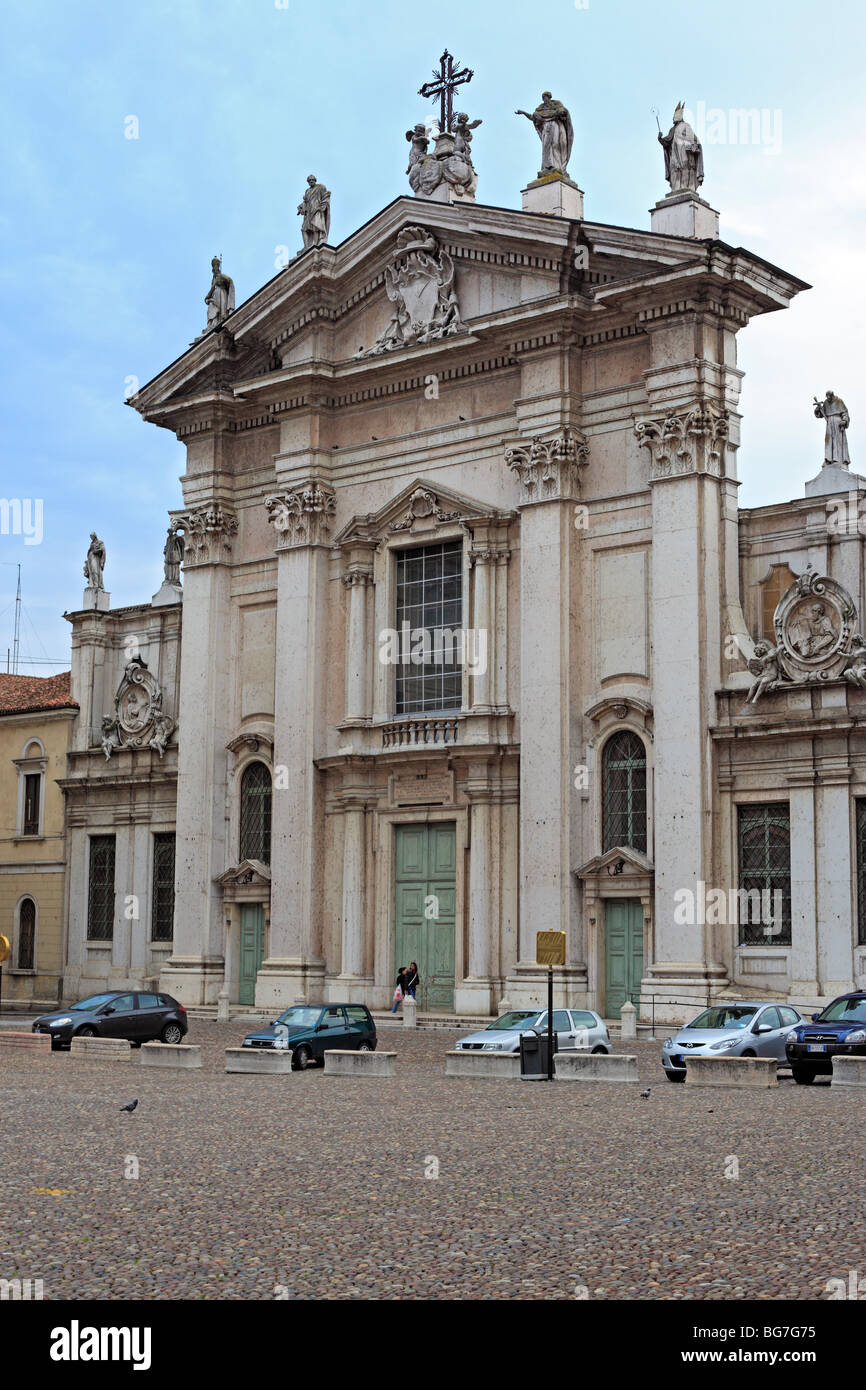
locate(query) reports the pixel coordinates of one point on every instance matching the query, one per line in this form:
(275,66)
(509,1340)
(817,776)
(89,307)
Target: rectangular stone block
(175,1056)
(16,1040)
(502,1065)
(345,1062)
(849,1071)
(595,1066)
(263,1061)
(731,1071)
(102,1049)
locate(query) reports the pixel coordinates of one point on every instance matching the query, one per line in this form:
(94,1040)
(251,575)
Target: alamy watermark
(22,516)
(739,125)
(440,646)
(715,907)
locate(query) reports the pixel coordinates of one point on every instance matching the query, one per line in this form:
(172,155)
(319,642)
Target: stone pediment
(617,863)
(250,873)
(420,508)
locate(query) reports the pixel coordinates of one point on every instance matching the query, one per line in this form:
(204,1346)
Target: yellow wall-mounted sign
(5,949)
(550,947)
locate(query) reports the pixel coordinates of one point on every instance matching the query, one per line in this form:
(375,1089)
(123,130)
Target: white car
(576,1029)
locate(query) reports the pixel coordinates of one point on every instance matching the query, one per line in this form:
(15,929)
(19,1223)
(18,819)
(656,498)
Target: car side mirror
(320,1027)
(815,1018)
(764,1028)
(107,1010)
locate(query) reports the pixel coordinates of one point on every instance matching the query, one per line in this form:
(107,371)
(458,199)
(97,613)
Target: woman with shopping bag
(400,988)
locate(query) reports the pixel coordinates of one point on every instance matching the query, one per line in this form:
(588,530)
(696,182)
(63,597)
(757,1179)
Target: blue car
(839,1030)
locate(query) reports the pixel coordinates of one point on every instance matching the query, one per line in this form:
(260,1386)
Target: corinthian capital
(208,532)
(549,469)
(302,516)
(691,442)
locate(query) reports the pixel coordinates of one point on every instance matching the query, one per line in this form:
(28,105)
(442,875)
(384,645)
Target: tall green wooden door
(623,954)
(252,950)
(424,905)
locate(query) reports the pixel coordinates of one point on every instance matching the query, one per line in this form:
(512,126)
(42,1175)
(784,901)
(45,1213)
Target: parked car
(744,1029)
(839,1030)
(138,1016)
(574,1028)
(311,1029)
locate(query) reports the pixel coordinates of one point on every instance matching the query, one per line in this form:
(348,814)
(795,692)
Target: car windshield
(94,1002)
(300,1017)
(515,1019)
(844,1011)
(725,1016)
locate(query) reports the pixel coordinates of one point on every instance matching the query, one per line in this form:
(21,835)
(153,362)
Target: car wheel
(748,1053)
(804,1076)
(365,1047)
(86,1032)
(172,1033)
(303,1058)
(599,1049)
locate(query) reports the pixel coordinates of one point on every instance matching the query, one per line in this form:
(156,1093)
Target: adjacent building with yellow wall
(36,714)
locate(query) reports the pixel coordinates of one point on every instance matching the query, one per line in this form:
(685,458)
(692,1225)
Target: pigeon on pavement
(644,1094)
(129,1108)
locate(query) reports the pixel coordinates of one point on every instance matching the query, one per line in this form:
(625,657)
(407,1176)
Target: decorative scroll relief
(139,720)
(419,281)
(302,516)
(208,534)
(549,469)
(422,504)
(815,641)
(693,442)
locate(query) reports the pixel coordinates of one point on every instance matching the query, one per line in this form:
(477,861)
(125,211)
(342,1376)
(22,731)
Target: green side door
(424,905)
(623,954)
(252,950)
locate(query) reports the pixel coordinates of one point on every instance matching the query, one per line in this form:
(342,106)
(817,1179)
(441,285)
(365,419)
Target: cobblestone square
(315,1187)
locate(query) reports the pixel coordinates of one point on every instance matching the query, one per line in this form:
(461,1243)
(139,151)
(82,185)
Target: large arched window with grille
(256,813)
(26,934)
(624,781)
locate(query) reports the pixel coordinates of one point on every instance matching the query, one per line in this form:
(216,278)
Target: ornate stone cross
(445,84)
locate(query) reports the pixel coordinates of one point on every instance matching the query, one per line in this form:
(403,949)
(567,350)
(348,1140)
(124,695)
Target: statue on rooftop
(832,410)
(95,563)
(684,155)
(220,298)
(556,133)
(315,209)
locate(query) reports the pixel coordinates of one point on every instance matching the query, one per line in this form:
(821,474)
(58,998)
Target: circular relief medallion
(813,628)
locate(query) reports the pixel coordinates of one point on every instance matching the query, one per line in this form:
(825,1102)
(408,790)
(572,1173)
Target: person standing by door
(399,988)
(412,979)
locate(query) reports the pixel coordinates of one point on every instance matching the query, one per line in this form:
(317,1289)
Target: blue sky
(107,241)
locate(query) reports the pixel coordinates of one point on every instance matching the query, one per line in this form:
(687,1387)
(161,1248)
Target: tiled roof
(25,694)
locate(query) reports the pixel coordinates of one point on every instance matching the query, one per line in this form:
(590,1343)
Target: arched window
(26,934)
(624,811)
(256,813)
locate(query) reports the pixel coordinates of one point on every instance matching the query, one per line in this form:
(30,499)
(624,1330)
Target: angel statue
(856,671)
(765,666)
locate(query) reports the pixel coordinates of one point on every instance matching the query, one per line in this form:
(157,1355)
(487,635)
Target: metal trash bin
(533,1056)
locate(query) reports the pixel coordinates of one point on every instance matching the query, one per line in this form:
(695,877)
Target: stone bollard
(343,1061)
(265,1061)
(102,1049)
(175,1056)
(223,1006)
(16,1040)
(595,1066)
(754,1072)
(628,1022)
(410,1012)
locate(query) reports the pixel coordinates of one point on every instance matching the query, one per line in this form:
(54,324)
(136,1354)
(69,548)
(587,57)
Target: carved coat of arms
(419,281)
(139,720)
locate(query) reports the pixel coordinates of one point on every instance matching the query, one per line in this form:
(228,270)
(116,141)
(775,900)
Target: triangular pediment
(619,862)
(249,873)
(420,507)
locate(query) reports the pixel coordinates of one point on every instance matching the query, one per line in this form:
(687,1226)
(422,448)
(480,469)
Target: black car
(136,1015)
(839,1031)
(312,1029)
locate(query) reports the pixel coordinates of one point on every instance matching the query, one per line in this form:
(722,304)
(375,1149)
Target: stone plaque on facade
(417,791)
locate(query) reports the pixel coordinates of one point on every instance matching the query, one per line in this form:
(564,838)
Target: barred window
(162,894)
(27,934)
(764,834)
(256,813)
(624,782)
(100,897)
(860,806)
(32,788)
(429,621)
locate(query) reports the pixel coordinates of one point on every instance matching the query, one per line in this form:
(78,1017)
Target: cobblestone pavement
(317,1184)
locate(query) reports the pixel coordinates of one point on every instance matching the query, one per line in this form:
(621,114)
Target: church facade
(472,640)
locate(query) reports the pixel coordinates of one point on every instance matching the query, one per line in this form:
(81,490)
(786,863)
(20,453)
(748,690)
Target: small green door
(424,905)
(623,954)
(252,950)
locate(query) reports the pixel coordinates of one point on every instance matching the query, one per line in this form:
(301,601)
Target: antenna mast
(16,640)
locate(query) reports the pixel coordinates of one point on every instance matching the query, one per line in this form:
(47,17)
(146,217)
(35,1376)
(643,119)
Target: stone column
(357,580)
(294,968)
(804,941)
(473,994)
(836,912)
(354,980)
(548,472)
(482,622)
(194,972)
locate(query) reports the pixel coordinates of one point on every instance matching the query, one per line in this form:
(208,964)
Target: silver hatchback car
(744,1029)
(574,1028)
